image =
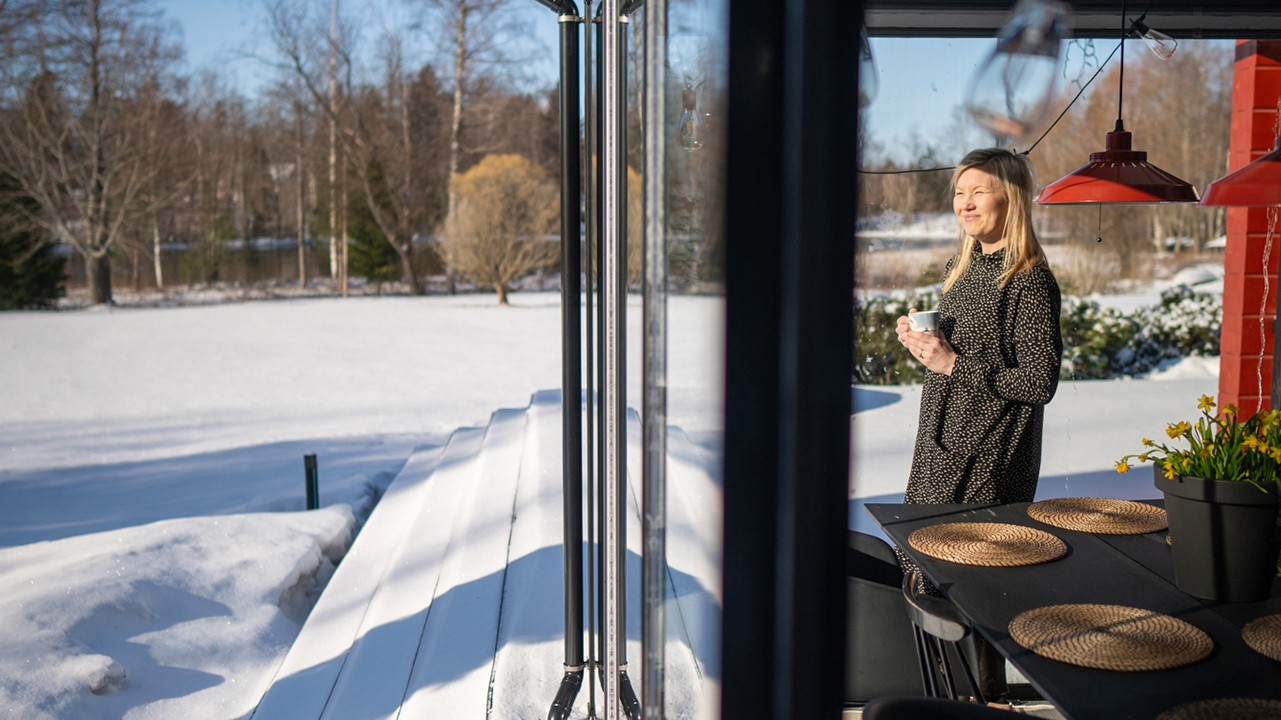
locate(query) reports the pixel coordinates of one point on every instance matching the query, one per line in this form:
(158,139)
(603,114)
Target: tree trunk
(501,289)
(155,254)
(455,148)
(302,193)
(333,141)
(98,273)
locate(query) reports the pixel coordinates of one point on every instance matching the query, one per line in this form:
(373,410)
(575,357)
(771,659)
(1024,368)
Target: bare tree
(85,87)
(504,207)
(373,126)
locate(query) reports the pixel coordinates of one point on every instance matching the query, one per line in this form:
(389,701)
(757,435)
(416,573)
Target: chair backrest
(880,651)
(935,616)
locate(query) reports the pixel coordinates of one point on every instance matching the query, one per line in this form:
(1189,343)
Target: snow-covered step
(450,603)
(693,537)
(531,655)
(307,675)
(451,673)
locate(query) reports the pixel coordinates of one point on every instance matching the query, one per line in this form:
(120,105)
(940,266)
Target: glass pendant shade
(689,133)
(1117,175)
(1011,93)
(1255,185)
(1161,45)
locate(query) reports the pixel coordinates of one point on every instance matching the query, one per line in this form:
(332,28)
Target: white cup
(926,321)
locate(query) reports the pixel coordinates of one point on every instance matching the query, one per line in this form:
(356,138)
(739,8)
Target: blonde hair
(1018,182)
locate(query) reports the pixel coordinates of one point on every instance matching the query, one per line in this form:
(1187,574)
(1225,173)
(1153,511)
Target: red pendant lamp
(1119,174)
(1254,185)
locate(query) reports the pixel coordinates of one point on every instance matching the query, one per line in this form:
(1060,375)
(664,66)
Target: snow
(155,561)
(173,436)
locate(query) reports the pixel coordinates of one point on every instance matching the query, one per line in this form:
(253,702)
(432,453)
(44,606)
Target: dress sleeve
(1038,348)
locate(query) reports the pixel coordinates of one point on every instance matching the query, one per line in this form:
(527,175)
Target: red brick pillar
(1256,86)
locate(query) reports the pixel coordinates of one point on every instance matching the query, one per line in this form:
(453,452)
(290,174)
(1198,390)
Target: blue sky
(922,81)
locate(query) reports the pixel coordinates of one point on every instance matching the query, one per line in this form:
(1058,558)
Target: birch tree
(373,126)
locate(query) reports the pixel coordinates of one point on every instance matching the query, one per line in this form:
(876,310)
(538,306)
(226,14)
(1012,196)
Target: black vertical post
(572,337)
(572,334)
(789,283)
(627,694)
(571,360)
(312,481)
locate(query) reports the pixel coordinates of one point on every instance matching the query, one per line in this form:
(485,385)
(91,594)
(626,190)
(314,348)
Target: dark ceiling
(1254,19)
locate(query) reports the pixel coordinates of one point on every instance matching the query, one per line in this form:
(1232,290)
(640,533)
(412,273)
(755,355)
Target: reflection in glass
(689,135)
(1010,95)
(868,77)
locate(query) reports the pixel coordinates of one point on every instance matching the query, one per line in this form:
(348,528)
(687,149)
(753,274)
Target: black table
(1132,570)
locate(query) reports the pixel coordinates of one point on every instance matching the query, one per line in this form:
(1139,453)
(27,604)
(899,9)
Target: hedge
(1098,342)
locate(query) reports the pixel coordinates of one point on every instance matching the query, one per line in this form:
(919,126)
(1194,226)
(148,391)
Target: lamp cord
(1263,303)
(1076,97)
(1120,91)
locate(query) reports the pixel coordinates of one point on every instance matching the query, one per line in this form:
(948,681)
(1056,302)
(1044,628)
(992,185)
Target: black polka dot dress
(979,437)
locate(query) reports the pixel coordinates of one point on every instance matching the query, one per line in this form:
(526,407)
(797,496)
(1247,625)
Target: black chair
(939,629)
(880,652)
(919,708)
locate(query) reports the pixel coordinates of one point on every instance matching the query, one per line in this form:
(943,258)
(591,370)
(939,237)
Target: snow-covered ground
(149,459)
(151,562)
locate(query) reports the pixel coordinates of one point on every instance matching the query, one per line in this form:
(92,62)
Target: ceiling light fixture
(1119,174)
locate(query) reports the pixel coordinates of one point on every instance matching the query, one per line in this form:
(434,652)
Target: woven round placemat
(1264,635)
(987,544)
(1104,516)
(1225,709)
(1110,637)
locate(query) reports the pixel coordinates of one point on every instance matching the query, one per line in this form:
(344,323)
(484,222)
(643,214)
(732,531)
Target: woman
(994,362)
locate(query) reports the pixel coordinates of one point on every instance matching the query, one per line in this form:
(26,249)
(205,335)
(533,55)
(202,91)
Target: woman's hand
(934,352)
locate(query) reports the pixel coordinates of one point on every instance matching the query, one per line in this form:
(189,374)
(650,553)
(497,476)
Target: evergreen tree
(371,256)
(31,276)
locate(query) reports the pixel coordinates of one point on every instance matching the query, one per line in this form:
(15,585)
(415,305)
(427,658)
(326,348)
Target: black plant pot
(1223,535)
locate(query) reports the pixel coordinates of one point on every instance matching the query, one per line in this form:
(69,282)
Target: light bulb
(867,76)
(689,134)
(1012,90)
(1161,45)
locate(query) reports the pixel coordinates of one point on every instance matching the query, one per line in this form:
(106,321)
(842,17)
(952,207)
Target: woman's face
(980,205)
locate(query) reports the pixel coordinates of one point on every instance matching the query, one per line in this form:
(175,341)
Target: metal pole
(571,365)
(654,372)
(600,355)
(312,481)
(627,695)
(589,243)
(613,376)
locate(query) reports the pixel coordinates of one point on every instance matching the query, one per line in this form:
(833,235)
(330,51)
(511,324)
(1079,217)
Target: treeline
(105,146)
(1179,111)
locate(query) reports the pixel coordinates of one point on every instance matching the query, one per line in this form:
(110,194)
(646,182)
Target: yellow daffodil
(1276,454)
(1172,430)
(1169,471)
(1229,409)
(1187,463)
(1148,443)
(1252,442)
(1183,428)
(1206,403)
(1122,466)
